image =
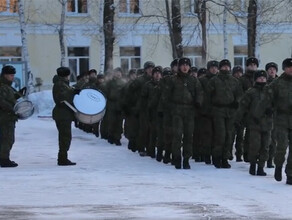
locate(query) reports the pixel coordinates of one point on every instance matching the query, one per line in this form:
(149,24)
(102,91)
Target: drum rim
(95,90)
(24,101)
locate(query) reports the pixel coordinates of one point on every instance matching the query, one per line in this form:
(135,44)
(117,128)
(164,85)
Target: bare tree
(171,35)
(251,27)
(61,31)
(201,11)
(25,53)
(108,28)
(177,28)
(225,34)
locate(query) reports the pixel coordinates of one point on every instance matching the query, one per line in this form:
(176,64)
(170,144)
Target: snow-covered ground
(111,182)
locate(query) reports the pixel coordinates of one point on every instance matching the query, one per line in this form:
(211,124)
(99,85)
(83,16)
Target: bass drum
(24,109)
(90,105)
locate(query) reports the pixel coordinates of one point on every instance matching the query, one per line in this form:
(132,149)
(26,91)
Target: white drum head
(24,109)
(89,101)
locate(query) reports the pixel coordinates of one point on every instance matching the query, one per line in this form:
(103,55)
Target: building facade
(141,33)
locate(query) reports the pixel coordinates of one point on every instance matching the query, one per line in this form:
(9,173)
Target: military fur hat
(237,69)
(212,63)
(202,71)
(63,71)
(271,64)
(166,71)
(251,60)
(287,63)
(224,62)
(184,60)
(148,64)
(174,63)
(8,70)
(157,69)
(260,73)
(194,69)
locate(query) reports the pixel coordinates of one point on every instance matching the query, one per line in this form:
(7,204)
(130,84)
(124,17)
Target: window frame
(8,12)
(130,57)
(76,13)
(192,11)
(128,12)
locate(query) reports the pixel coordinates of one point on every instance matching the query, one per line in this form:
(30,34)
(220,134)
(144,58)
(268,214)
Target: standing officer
(205,117)
(260,131)
(62,114)
(246,81)
(8,118)
(278,93)
(183,92)
(272,69)
(224,92)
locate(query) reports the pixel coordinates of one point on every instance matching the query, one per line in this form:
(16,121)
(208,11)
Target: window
(194,54)
(10,54)
(129,7)
(78,60)
(10,6)
(130,58)
(77,6)
(240,55)
(190,7)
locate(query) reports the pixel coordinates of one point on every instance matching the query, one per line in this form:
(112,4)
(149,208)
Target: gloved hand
(22,91)
(77,91)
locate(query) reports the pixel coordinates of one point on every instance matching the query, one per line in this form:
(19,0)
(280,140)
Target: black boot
(7,163)
(217,162)
(252,169)
(238,158)
(166,158)
(261,172)
(207,159)
(177,163)
(118,142)
(186,164)
(66,163)
(225,164)
(270,163)
(289,180)
(245,157)
(278,173)
(159,156)
(197,158)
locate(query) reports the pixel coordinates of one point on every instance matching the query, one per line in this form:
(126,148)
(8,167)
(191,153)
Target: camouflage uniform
(134,98)
(246,82)
(182,93)
(113,91)
(7,119)
(205,121)
(224,92)
(63,116)
(260,131)
(278,93)
(152,92)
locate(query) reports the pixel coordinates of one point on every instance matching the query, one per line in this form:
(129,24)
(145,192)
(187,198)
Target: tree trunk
(25,54)
(108,28)
(202,16)
(176,26)
(225,35)
(252,27)
(174,53)
(101,39)
(61,32)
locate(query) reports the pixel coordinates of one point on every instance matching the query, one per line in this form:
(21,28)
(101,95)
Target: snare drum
(90,105)
(24,109)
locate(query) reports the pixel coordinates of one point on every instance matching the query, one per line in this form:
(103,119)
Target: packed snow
(111,182)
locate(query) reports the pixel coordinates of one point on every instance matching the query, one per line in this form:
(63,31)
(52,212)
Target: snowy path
(111,182)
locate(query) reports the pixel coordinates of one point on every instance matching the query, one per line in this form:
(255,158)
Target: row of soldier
(177,113)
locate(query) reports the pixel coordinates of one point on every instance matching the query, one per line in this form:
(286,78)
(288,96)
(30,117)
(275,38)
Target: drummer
(8,97)
(62,114)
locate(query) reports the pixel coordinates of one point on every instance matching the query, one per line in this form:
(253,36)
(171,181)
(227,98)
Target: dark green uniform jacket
(62,91)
